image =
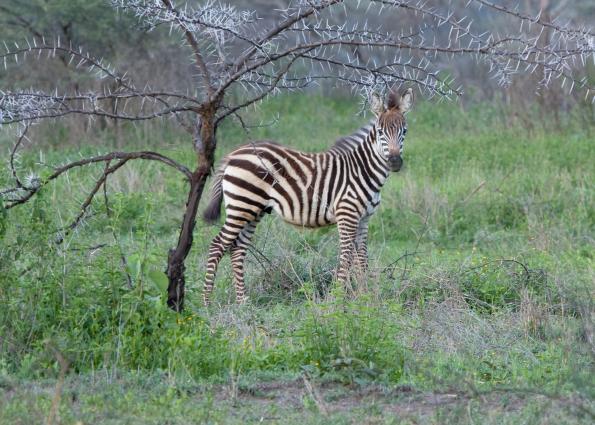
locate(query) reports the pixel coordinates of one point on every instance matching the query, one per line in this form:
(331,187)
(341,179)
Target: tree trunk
(204,144)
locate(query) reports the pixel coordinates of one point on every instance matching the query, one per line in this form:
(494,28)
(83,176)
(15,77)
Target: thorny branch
(328,39)
(77,56)
(230,49)
(28,106)
(26,192)
(192,41)
(109,169)
(579,32)
(22,192)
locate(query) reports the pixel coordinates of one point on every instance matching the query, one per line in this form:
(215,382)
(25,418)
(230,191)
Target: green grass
(477,308)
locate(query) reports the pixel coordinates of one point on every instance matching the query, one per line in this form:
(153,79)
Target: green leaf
(134,266)
(159,279)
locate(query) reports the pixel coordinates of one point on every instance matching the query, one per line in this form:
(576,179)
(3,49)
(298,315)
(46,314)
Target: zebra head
(390,126)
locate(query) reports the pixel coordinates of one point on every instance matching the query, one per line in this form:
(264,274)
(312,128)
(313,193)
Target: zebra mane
(349,143)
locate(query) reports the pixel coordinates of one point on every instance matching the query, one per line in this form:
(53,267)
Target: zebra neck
(349,143)
(366,165)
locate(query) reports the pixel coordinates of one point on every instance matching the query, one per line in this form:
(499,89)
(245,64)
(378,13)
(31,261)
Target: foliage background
(478,307)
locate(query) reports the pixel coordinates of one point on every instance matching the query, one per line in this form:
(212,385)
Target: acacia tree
(238,61)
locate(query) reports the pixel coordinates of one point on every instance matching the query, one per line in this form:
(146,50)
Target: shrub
(351,338)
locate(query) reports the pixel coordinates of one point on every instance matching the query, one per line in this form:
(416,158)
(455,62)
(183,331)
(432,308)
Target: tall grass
(481,264)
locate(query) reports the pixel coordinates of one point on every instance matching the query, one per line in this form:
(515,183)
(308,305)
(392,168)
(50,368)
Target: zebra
(340,186)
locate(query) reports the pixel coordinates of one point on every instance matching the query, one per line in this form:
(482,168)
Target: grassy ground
(478,307)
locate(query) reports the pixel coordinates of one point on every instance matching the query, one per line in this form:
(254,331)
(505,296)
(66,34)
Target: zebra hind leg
(223,241)
(238,256)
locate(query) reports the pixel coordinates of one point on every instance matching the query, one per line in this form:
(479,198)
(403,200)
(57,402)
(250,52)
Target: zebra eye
(405,131)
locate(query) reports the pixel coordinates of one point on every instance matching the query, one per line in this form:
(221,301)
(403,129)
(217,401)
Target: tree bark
(204,145)
(177,256)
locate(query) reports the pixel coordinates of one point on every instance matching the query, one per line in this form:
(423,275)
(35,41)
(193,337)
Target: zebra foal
(340,186)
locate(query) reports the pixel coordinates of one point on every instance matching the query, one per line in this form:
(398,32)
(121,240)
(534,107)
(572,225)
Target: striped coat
(340,186)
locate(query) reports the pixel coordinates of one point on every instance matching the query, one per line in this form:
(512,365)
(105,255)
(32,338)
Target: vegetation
(478,306)
(239,57)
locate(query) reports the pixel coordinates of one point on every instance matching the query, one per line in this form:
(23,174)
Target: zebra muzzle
(395,162)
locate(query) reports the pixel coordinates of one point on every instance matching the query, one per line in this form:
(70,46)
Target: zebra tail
(213,211)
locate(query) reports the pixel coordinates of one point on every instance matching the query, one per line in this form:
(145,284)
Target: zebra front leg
(347,233)
(361,245)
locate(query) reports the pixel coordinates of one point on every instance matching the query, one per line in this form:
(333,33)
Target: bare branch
(77,57)
(581,32)
(26,106)
(211,19)
(87,202)
(271,88)
(13,152)
(287,23)
(359,55)
(29,191)
(195,48)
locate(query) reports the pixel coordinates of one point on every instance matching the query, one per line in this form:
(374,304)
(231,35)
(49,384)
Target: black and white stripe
(340,186)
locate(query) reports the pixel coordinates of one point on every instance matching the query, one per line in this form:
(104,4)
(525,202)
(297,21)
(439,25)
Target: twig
(106,172)
(417,243)
(526,270)
(473,192)
(64,365)
(90,248)
(393,265)
(198,58)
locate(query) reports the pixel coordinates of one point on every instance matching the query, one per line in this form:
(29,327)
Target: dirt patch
(331,398)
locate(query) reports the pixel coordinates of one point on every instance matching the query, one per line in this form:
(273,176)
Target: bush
(353,339)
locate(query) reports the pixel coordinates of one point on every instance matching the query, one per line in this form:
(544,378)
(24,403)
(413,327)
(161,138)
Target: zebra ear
(406,101)
(376,104)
